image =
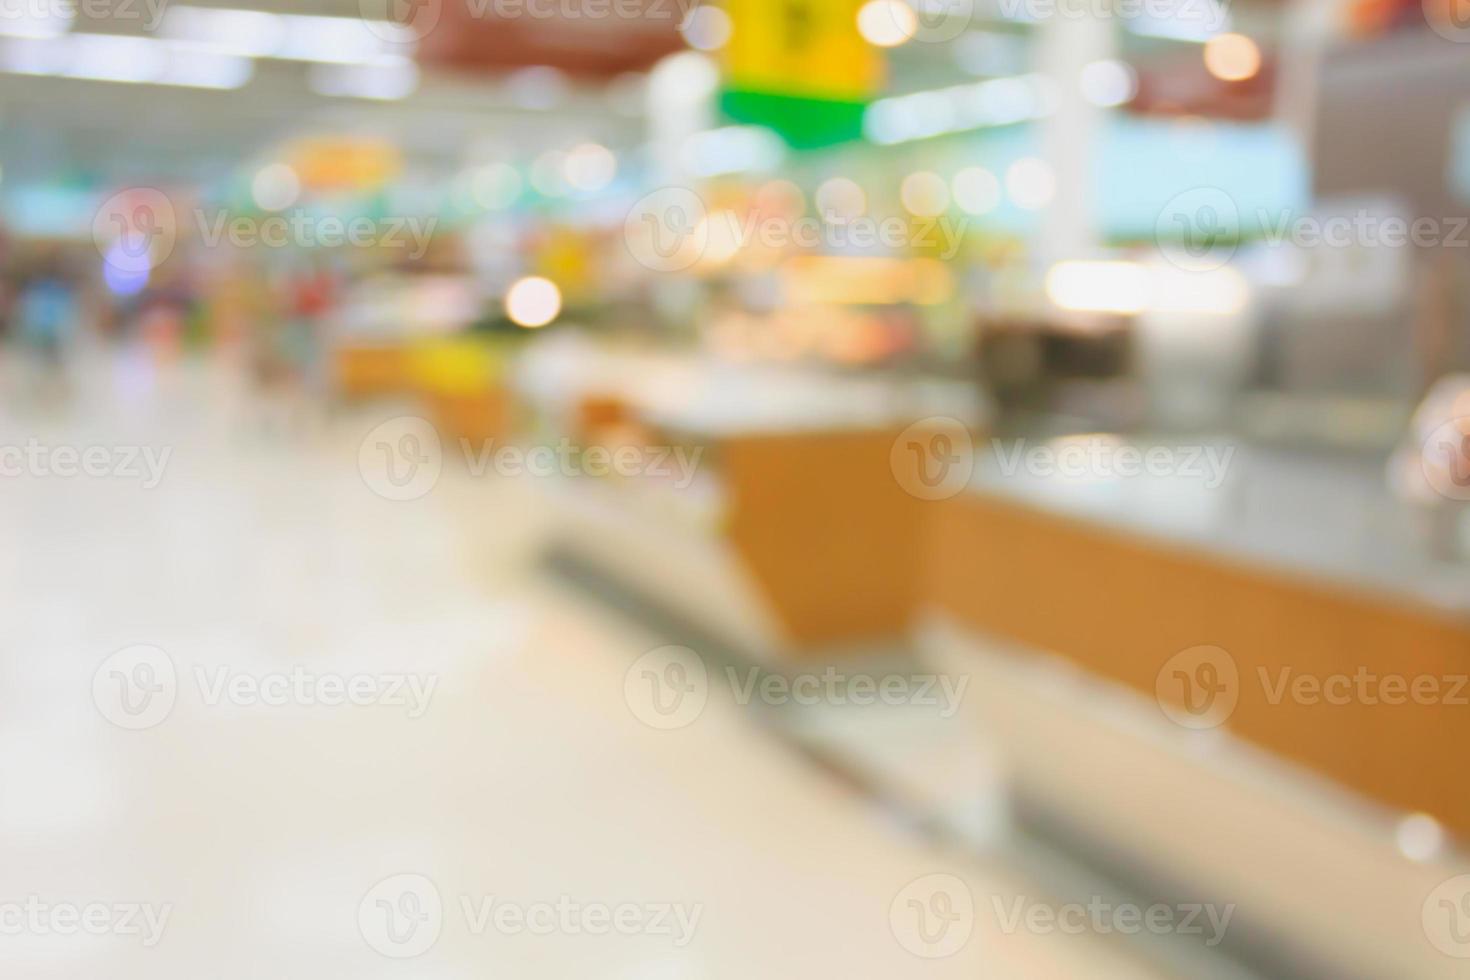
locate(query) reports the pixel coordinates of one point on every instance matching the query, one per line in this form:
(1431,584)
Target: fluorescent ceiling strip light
(200,69)
(114,58)
(732,149)
(293,37)
(388,78)
(937,112)
(123,58)
(250,33)
(1188,21)
(1098,287)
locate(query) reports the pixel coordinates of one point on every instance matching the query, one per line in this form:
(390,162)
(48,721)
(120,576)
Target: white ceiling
(132,132)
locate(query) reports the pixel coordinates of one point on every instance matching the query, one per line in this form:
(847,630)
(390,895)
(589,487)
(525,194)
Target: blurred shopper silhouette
(45,322)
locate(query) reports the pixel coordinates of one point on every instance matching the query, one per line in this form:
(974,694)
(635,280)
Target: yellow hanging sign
(805,48)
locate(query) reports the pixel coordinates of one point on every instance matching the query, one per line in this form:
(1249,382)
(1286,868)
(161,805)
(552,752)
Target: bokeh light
(1232,57)
(1031,183)
(840,199)
(887,23)
(976,190)
(532,302)
(275,187)
(924,194)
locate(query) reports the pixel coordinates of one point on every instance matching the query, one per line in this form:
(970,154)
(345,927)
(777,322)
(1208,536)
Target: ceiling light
(1232,57)
(936,112)
(1108,82)
(254,33)
(732,149)
(887,23)
(122,58)
(390,77)
(115,58)
(1101,287)
(590,167)
(295,37)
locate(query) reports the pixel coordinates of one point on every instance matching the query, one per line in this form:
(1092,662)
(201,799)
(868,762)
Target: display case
(786,534)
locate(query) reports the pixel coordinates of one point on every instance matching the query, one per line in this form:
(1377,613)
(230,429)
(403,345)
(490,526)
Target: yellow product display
(461,383)
(369,370)
(457,366)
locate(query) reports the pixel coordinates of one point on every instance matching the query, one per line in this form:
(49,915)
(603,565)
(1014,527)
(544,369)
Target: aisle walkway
(513,784)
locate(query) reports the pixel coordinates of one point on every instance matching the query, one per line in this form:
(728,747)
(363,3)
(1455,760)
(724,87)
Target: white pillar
(1068,42)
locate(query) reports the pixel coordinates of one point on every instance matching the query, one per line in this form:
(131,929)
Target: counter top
(704,396)
(1327,516)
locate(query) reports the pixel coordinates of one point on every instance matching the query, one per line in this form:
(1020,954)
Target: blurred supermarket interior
(749,488)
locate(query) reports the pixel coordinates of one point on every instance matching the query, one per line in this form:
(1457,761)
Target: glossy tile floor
(258,722)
